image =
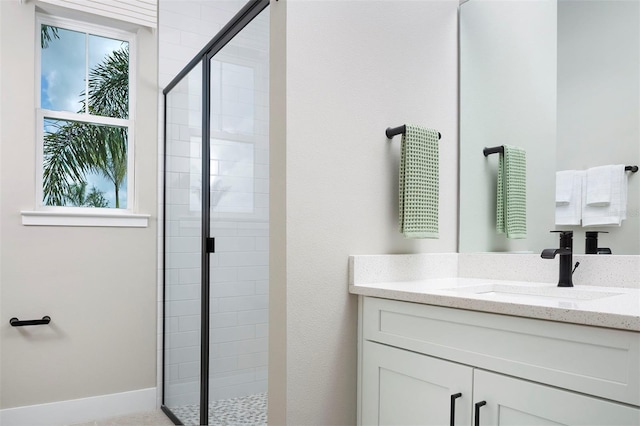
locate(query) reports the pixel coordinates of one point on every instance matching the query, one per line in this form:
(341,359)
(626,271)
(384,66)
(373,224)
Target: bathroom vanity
(462,351)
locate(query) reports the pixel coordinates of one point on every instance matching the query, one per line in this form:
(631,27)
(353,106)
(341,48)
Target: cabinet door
(516,402)
(400,387)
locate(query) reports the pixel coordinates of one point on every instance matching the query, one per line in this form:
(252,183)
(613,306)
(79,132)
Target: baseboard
(80,410)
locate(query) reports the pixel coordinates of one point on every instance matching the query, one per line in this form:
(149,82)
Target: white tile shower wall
(182,250)
(240,215)
(239,269)
(239,309)
(185,27)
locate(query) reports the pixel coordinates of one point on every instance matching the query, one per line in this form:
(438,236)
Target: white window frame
(85,216)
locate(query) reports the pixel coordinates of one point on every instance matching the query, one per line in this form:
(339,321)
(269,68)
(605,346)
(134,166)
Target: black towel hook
(632,169)
(400,130)
(494,150)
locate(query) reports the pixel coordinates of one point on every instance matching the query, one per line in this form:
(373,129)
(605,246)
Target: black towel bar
(400,130)
(15,322)
(494,150)
(500,149)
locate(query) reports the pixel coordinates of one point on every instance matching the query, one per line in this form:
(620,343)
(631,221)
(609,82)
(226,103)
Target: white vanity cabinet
(517,402)
(418,361)
(401,387)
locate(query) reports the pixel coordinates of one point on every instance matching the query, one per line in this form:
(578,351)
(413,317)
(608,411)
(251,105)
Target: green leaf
(109,85)
(47,34)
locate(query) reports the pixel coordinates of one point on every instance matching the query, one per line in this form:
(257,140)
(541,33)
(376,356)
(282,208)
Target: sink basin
(528,292)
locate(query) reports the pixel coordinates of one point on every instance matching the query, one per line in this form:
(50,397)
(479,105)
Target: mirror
(561,79)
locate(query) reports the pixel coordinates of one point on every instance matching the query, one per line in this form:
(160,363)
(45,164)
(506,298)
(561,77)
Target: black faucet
(565,251)
(591,243)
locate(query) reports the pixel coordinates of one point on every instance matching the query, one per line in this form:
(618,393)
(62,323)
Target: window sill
(101,219)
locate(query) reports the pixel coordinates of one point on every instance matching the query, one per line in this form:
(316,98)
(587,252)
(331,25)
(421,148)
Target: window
(84,117)
(233,122)
(239,136)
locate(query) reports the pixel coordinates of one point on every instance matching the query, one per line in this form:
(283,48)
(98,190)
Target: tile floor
(150,418)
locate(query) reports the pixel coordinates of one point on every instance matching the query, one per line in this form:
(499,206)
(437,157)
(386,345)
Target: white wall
(599,102)
(341,73)
(97,284)
(507,96)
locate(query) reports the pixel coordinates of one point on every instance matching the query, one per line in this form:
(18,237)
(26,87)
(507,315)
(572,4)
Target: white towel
(570,213)
(600,185)
(615,211)
(564,186)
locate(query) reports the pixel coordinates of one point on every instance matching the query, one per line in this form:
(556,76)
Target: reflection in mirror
(561,79)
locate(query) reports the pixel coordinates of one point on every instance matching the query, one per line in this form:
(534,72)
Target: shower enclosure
(216,228)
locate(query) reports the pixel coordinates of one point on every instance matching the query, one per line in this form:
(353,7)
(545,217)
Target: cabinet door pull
(477,412)
(15,322)
(452,417)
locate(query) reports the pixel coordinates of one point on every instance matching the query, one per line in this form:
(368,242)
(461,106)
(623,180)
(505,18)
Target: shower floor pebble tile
(242,411)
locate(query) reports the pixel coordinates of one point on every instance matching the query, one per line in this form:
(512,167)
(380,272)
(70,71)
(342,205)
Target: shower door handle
(211,245)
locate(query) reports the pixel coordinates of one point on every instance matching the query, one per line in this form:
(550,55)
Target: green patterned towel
(419,183)
(512,193)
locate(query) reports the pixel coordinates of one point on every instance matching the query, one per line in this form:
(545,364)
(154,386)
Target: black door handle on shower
(477,412)
(452,416)
(15,322)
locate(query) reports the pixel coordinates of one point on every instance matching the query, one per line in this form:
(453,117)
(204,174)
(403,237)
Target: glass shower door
(239,223)
(216,229)
(183,247)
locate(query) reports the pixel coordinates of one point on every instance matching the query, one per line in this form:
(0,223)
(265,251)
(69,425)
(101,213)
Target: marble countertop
(610,307)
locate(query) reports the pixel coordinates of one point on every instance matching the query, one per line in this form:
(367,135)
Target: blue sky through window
(63,69)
